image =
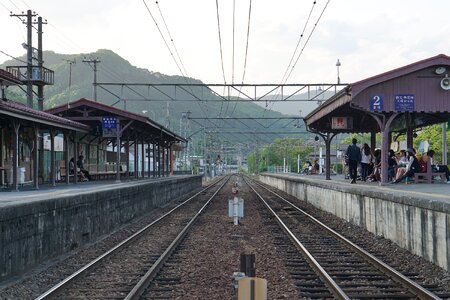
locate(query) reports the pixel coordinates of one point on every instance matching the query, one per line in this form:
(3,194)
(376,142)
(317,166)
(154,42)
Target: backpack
(422,166)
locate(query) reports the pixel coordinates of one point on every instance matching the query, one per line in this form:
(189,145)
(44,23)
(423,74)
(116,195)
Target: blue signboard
(376,102)
(404,102)
(109,122)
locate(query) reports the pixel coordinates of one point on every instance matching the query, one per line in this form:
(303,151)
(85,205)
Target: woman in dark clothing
(392,163)
(438,168)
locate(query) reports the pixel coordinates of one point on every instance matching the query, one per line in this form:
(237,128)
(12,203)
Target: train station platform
(414,216)
(37,225)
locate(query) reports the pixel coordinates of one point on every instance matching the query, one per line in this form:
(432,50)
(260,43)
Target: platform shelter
(121,129)
(397,101)
(21,138)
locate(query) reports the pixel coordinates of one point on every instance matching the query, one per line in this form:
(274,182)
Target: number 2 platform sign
(376,102)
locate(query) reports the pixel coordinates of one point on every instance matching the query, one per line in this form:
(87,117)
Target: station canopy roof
(419,92)
(92,113)
(15,110)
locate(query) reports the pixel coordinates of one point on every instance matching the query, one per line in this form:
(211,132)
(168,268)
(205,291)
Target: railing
(39,75)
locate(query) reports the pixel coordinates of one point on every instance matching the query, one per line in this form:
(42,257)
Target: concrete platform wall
(418,225)
(44,229)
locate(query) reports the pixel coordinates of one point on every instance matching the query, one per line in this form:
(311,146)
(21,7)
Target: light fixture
(440,70)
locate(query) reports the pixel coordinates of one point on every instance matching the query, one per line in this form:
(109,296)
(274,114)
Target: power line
(171,39)
(298,42)
(246,53)
(18,59)
(309,37)
(220,41)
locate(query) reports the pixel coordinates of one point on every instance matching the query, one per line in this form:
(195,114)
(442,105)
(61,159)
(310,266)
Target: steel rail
(329,281)
(144,282)
(53,291)
(416,288)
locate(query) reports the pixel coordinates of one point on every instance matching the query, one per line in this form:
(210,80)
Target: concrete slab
(46,192)
(419,190)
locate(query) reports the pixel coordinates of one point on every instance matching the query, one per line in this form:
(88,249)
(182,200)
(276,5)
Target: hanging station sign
(109,126)
(341,123)
(404,102)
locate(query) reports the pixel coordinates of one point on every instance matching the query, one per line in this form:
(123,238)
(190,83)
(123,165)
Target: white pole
(236,210)
(298,163)
(284,165)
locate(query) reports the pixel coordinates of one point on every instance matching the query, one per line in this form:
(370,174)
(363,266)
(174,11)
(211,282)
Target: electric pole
(93,61)
(29,46)
(70,62)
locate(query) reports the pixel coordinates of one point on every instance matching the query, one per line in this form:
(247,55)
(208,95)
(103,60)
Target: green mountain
(115,69)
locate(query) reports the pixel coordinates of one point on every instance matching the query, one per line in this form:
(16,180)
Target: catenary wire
(246,53)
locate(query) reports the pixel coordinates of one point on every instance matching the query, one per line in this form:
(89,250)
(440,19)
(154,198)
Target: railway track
(346,271)
(124,271)
(330,265)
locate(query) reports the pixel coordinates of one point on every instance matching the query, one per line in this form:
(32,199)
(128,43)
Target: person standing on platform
(354,157)
(366,160)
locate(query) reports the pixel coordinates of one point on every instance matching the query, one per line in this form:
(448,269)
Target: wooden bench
(106,171)
(429,176)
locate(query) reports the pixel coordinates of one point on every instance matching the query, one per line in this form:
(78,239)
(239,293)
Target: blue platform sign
(109,122)
(376,102)
(405,102)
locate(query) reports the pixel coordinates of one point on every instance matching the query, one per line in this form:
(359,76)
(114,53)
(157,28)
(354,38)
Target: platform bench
(429,176)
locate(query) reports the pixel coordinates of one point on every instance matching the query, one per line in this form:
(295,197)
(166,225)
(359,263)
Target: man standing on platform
(354,157)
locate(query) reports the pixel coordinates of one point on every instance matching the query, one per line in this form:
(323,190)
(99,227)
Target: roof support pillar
(66,156)
(75,157)
(149,174)
(159,160)
(328,138)
(118,144)
(409,131)
(36,156)
(52,157)
(163,164)
(373,140)
(171,160)
(2,137)
(384,122)
(127,151)
(142,158)
(136,158)
(154,159)
(444,143)
(15,162)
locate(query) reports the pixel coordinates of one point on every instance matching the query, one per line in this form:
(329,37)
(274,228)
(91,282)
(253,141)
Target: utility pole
(70,62)
(93,61)
(29,46)
(40,63)
(35,74)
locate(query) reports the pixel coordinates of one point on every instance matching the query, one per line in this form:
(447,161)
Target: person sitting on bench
(82,169)
(412,166)
(436,168)
(72,169)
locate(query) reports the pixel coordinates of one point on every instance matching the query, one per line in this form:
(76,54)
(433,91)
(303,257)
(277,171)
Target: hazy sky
(368,37)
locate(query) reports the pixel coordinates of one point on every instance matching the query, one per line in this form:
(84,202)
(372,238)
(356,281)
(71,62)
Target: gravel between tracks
(211,253)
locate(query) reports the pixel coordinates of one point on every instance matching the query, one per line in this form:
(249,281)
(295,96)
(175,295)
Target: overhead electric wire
(170,51)
(299,40)
(5,7)
(246,52)
(14,4)
(309,37)
(306,43)
(18,59)
(171,39)
(220,42)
